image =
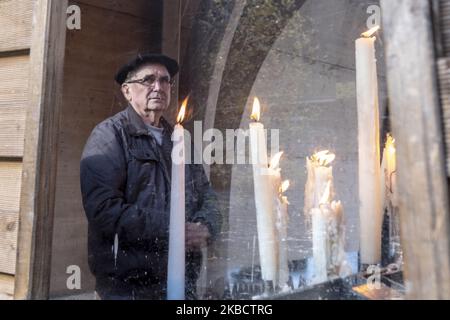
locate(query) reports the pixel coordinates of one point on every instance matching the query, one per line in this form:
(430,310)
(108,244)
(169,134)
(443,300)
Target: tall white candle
(176,262)
(265,220)
(370,207)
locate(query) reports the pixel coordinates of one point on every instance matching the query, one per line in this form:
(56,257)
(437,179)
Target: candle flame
(370,32)
(390,144)
(275,160)
(323,158)
(326,194)
(256,111)
(284,186)
(182,111)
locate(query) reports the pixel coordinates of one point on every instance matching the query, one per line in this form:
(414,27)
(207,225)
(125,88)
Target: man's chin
(156,107)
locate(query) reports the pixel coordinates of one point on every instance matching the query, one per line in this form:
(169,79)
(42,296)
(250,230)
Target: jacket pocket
(141,175)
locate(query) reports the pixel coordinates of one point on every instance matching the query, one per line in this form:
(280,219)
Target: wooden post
(40,151)
(416,123)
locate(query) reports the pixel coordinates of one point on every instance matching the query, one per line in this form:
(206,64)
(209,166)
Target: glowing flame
(323,158)
(370,32)
(256,111)
(284,186)
(182,111)
(326,194)
(390,145)
(275,160)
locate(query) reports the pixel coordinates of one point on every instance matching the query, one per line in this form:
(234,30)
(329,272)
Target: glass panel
(301,241)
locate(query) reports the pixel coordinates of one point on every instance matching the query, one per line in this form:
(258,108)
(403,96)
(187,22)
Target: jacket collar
(136,126)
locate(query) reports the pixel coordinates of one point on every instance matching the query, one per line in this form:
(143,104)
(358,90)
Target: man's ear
(126,92)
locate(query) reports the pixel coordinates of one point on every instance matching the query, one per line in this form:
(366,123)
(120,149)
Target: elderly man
(125,184)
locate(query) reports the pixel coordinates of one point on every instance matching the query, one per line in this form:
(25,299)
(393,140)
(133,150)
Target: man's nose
(157,85)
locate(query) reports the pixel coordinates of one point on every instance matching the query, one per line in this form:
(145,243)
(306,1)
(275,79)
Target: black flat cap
(141,59)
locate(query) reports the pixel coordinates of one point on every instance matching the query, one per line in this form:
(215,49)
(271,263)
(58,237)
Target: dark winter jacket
(125,185)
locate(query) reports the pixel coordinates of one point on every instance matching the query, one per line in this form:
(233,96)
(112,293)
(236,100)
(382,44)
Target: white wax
(264,203)
(275,183)
(392,175)
(388,178)
(319,240)
(384,182)
(282,227)
(317,180)
(370,207)
(176,264)
(328,240)
(337,234)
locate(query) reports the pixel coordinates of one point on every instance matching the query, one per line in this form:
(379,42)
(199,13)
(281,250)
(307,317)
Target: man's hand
(197,235)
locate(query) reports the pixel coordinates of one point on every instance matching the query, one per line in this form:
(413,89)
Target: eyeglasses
(150,80)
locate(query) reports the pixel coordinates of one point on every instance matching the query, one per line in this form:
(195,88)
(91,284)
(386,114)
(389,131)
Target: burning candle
(263,186)
(326,217)
(370,207)
(176,263)
(319,174)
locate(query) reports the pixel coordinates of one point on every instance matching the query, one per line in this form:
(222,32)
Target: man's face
(151,92)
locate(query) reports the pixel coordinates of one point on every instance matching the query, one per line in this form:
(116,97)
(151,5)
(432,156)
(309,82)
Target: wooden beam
(32,279)
(416,123)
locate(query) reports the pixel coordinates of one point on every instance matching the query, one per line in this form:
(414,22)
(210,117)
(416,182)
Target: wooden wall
(111,33)
(15,39)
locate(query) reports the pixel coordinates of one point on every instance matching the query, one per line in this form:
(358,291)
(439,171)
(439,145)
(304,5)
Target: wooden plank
(14,85)
(416,123)
(441,10)
(444,87)
(13,100)
(8,241)
(32,279)
(10,180)
(12,128)
(15,18)
(6,287)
